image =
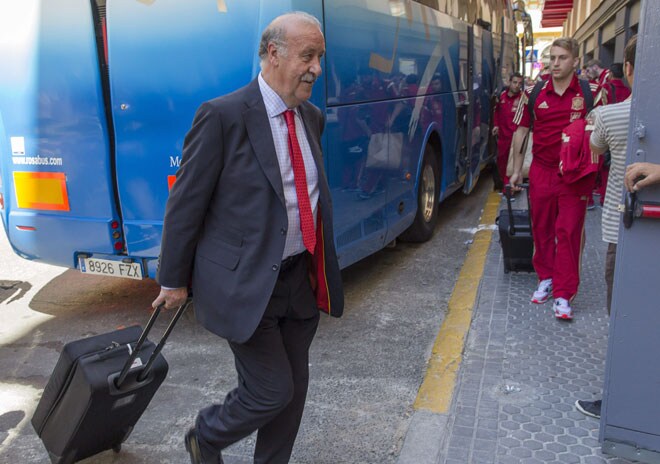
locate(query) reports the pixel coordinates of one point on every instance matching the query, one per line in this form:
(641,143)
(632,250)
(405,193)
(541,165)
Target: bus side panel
(357,191)
(380,64)
(55,162)
(166,59)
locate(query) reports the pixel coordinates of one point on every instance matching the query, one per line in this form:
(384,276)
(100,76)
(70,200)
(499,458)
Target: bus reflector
(170,182)
(2,201)
(41,190)
(26,228)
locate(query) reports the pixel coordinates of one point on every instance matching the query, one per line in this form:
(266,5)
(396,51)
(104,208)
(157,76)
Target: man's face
(562,63)
(436,85)
(295,71)
(593,72)
(515,85)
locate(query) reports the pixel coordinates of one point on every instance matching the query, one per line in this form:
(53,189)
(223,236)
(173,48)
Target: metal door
(474,90)
(630,424)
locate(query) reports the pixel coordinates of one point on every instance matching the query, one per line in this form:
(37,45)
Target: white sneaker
(543,291)
(563,309)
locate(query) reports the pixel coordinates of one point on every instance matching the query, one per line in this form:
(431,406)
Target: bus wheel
(428,191)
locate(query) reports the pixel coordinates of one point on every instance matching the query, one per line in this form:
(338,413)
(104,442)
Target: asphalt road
(366,367)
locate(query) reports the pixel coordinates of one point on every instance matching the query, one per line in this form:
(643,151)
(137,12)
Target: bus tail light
(2,201)
(116,235)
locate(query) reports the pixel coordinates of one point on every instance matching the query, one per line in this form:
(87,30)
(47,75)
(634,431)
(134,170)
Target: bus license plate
(107,267)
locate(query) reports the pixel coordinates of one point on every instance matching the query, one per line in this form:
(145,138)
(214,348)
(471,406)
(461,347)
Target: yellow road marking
(437,389)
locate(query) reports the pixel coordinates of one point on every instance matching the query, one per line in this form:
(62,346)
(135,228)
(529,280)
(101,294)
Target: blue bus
(96,97)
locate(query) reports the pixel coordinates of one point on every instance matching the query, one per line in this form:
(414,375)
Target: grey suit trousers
(273,374)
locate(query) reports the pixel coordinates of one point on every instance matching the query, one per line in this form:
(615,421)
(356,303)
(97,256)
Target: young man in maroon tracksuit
(503,126)
(557,209)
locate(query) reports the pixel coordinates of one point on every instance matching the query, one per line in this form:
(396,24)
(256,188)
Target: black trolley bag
(99,388)
(515,229)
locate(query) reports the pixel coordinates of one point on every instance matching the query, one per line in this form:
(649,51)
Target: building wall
(602,27)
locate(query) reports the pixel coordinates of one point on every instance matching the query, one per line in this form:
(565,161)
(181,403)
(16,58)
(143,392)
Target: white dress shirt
(275,108)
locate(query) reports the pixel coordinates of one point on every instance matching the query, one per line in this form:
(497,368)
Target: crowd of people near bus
(558,206)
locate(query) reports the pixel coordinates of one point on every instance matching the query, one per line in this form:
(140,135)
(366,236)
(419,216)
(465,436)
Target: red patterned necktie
(300,178)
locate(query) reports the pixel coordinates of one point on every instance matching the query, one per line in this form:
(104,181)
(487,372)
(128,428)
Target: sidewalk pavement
(521,373)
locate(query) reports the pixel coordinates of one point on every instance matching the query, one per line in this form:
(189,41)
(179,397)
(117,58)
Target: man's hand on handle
(640,175)
(515,180)
(172,297)
(518,157)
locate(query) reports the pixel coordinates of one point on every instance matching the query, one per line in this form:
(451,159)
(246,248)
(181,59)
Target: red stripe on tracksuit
(558,211)
(503,148)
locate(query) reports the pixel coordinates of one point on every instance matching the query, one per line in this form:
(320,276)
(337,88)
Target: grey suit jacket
(225,219)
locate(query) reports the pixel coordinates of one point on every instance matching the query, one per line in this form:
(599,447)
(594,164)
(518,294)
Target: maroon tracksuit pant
(558,211)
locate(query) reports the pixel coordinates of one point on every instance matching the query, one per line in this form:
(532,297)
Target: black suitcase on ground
(98,390)
(515,237)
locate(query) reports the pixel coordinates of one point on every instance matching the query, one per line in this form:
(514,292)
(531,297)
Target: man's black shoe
(590,408)
(199,455)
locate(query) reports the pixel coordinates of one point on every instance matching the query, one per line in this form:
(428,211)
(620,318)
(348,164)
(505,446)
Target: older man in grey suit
(249,223)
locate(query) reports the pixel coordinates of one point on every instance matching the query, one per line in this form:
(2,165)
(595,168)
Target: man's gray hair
(275,32)
(594,62)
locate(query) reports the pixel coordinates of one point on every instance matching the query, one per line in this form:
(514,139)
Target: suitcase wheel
(117,448)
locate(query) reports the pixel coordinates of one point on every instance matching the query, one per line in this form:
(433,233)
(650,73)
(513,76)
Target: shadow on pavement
(15,289)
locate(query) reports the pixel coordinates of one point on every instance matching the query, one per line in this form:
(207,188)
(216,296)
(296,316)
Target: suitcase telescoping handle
(507,194)
(143,338)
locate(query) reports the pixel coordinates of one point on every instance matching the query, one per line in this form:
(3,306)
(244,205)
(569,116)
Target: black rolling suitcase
(98,390)
(515,236)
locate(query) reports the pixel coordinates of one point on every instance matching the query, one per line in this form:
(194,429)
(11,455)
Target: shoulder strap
(586,93)
(532,99)
(613,89)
